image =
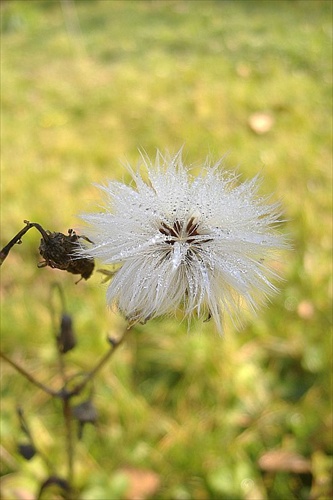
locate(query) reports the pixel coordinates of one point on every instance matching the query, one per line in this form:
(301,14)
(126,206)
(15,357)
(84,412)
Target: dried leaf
(284,460)
(305,309)
(143,483)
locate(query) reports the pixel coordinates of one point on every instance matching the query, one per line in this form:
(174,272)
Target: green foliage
(87,83)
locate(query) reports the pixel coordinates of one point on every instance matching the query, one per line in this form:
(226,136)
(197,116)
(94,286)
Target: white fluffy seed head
(201,243)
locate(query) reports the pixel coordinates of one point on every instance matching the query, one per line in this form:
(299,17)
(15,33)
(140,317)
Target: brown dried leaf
(305,309)
(284,460)
(143,483)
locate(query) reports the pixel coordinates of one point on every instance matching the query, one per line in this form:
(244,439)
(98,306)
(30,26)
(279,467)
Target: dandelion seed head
(202,243)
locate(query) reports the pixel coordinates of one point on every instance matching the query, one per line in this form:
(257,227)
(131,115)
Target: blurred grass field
(84,85)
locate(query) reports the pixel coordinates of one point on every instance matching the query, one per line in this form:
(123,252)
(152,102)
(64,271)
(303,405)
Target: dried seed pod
(59,251)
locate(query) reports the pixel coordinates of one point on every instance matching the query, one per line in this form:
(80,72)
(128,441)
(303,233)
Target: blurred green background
(181,415)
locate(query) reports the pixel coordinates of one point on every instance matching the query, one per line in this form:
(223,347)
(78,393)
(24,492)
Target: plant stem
(28,376)
(17,238)
(65,395)
(67,412)
(26,429)
(90,375)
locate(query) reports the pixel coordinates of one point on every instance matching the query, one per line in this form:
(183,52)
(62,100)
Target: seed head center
(179,231)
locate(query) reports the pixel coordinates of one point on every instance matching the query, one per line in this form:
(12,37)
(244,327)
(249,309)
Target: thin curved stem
(90,375)
(28,376)
(17,238)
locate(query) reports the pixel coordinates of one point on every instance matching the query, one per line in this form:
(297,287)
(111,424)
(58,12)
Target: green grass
(84,85)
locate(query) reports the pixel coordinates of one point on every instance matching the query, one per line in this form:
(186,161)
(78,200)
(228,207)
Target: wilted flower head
(203,243)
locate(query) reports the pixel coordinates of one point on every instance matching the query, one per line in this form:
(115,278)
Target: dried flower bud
(85,413)
(60,252)
(66,337)
(26,450)
(54,485)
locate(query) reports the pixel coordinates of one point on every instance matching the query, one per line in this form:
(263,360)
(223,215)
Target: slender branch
(17,238)
(90,375)
(28,376)
(57,286)
(66,404)
(26,429)
(64,393)
(67,412)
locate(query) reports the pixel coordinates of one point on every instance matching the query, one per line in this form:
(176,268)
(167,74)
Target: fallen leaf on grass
(283,460)
(305,309)
(143,483)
